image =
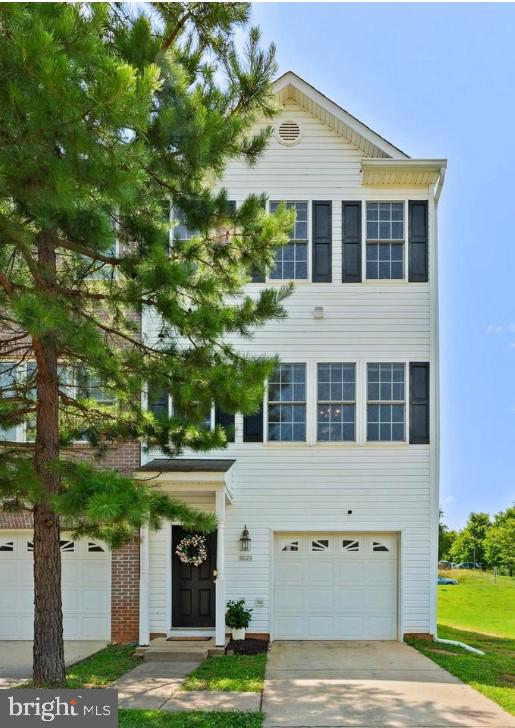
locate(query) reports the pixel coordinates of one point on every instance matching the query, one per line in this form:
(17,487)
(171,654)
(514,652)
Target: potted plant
(237,617)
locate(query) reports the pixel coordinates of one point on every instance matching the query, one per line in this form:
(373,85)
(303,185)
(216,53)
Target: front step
(160,650)
(167,656)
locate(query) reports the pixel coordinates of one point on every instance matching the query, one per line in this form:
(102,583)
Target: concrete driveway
(368,684)
(16,658)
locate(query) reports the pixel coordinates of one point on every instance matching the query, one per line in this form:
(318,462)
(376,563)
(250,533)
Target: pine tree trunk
(48,617)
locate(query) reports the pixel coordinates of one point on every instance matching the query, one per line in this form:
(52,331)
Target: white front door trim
(144,588)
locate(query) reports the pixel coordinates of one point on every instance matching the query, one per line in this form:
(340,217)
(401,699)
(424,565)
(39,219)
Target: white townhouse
(335,481)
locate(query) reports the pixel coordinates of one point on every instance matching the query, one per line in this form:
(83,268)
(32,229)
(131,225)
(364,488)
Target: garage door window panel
(377,546)
(290,546)
(350,545)
(320,545)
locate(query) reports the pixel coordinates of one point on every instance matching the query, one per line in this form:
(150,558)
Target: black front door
(193,587)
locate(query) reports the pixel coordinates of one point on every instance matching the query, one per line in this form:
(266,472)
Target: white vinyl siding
(311,486)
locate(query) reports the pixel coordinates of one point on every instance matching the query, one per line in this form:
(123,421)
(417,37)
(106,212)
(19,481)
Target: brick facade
(125,593)
(125,561)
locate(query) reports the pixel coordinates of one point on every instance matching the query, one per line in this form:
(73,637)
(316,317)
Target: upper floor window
(158,400)
(336,411)
(291,260)
(386,402)
(20,375)
(90,386)
(7,390)
(180,230)
(287,403)
(385,224)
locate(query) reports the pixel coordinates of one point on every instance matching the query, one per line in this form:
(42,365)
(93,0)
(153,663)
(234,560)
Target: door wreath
(192,550)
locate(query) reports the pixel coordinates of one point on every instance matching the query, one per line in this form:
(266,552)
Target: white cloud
(508,328)
(448,500)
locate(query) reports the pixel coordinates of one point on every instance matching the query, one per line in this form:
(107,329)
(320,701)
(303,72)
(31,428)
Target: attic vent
(289,133)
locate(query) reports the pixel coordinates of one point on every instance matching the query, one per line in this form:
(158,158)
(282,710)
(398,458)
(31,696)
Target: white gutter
(455,643)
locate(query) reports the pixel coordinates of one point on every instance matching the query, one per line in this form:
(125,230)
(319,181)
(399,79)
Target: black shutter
(351,242)
(418,241)
(322,241)
(226,421)
(158,400)
(253,427)
(419,403)
(256,276)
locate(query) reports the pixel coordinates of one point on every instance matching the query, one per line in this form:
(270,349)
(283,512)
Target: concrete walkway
(367,684)
(16,658)
(155,685)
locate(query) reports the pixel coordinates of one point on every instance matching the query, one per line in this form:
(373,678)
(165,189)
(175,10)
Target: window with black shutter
(253,426)
(322,241)
(418,241)
(351,241)
(419,403)
(225,420)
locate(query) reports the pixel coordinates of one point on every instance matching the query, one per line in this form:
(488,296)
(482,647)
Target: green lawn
(478,604)
(193,719)
(492,674)
(103,667)
(480,613)
(100,669)
(240,673)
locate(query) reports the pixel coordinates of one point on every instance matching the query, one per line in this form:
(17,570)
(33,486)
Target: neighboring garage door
(336,586)
(85,584)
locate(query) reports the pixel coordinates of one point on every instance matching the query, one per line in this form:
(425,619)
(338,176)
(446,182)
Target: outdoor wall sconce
(245,540)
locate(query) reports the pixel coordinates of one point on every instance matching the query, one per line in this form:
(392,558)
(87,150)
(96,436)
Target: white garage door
(335,586)
(85,585)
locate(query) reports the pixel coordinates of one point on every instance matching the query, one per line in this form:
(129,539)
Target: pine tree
(499,543)
(111,116)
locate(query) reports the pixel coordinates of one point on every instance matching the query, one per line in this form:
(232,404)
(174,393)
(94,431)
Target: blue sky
(437,80)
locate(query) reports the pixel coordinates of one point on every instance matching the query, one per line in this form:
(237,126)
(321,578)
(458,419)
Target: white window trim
(383,281)
(309,243)
(387,443)
(336,360)
(361,405)
(309,400)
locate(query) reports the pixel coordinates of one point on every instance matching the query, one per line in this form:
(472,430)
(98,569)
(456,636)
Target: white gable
(291,88)
(322,163)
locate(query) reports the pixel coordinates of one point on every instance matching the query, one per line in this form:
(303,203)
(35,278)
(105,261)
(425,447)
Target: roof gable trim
(355,126)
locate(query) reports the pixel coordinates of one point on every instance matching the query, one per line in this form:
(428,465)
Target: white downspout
(436,198)
(455,643)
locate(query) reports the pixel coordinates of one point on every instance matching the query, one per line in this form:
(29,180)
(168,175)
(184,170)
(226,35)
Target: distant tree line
(484,539)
